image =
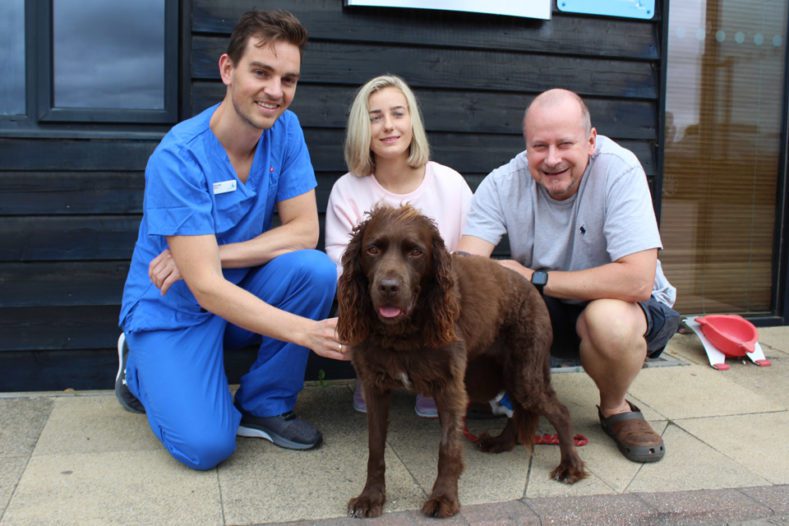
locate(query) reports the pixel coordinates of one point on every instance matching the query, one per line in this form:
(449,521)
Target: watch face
(540,277)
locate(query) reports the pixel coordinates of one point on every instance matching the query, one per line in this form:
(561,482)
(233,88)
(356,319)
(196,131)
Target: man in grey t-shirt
(581,226)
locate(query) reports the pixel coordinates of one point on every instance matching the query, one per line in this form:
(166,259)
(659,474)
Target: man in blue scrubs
(210,271)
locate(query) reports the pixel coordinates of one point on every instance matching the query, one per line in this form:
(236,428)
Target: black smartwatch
(539,279)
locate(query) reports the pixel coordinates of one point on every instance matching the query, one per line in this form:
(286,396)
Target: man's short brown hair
(269,27)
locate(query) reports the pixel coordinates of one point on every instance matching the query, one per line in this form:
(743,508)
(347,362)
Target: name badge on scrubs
(223,187)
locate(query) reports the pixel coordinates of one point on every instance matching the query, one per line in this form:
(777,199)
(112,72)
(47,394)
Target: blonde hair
(358,157)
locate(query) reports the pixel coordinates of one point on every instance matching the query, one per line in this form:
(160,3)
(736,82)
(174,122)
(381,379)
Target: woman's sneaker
(424,406)
(359,405)
(125,397)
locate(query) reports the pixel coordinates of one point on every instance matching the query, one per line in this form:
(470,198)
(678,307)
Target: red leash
(553,439)
(547,438)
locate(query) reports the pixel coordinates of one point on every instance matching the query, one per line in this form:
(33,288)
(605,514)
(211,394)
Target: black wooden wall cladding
(70,208)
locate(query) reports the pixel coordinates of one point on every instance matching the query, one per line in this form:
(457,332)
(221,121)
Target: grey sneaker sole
(277,440)
(426,414)
(121,343)
(122,393)
(360,408)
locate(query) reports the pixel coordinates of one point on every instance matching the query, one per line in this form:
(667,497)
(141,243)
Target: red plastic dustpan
(731,334)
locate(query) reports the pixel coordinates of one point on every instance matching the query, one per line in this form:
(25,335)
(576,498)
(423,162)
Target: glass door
(724,114)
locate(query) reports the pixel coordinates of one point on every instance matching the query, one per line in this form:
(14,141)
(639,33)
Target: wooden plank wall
(70,208)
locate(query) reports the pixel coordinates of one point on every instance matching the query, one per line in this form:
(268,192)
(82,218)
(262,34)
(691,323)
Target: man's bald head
(560,99)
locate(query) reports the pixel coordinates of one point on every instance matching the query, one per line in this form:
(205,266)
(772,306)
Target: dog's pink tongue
(389,312)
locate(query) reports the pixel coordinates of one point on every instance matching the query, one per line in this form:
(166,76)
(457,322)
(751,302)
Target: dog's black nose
(389,286)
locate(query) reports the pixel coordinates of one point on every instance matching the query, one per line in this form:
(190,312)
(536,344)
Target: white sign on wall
(524,8)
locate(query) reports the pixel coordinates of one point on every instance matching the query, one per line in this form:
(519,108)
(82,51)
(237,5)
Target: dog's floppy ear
(443,298)
(354,304)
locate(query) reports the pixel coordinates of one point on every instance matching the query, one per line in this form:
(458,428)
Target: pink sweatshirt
(443,196)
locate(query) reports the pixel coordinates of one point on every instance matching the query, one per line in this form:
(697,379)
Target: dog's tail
(526,423)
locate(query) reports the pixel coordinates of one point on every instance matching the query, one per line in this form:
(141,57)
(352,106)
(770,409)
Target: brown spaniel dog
(450,327)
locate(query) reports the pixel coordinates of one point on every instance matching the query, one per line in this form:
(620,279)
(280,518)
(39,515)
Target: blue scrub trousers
(179,375)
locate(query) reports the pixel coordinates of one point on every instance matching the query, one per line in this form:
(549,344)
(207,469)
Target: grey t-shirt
(611,215)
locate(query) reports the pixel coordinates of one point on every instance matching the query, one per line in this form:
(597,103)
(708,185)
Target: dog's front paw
(441,506)
(368,504)
(569,471)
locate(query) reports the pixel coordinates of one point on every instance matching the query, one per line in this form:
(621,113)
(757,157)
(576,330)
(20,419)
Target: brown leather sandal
(633,435)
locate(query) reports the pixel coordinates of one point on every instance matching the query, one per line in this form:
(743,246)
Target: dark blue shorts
(662,323)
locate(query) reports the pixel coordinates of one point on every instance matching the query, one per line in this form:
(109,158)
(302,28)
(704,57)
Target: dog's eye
(373,250)
(415,252)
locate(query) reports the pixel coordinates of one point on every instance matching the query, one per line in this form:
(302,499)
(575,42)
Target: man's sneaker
(285,430)
(501,405)
(127,400)
(425,407)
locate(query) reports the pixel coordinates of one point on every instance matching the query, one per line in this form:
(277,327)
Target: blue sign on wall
(624,8)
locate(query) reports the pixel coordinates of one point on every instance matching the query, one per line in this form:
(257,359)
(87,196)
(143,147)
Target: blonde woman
(388,159)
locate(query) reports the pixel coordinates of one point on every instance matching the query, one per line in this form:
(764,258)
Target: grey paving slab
(756,442)
(578,392)
(610,472)
(575,390)
(403,518)
(776,338)
(21,421)
(771,521)
(94,424)
(598,510)
(513,513)
(545,459)
(263,483)
(710,506)
(691,464)
(769,382)
(774,497)
(697,391)
(11,469)
(120,487)
(687,347)
(486,477)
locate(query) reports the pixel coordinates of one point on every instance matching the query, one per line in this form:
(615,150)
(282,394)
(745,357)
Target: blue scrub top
(192,189)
